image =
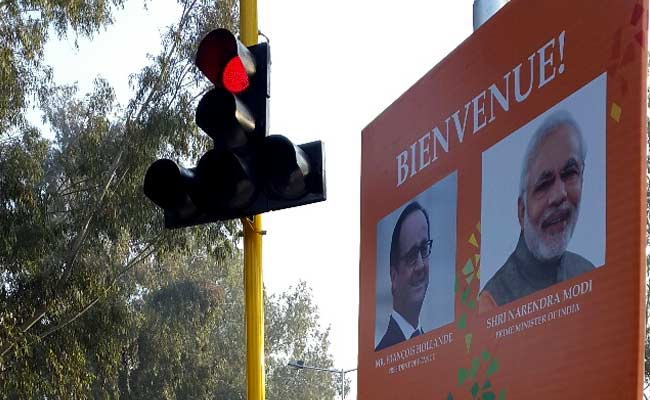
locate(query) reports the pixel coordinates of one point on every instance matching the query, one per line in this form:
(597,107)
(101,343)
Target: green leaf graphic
(487,384)
(488,396)
(462,321)
(475,364)
(463,297)
(494,367)
(450,397)
(469,279)
(462,375)
(502,394)
(468,268)
(474,390)
(485,355)
(472,304)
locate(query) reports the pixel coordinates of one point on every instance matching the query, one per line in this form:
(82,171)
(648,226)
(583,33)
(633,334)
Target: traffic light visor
(227,180)
(224,118)
(165,184)
(286,167)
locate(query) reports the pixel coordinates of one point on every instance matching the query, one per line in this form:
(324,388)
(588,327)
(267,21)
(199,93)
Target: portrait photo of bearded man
(548,208)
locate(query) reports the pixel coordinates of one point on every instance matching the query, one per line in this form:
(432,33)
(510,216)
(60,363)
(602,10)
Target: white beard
(549,246)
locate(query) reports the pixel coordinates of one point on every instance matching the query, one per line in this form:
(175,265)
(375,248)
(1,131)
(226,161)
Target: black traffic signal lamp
(247,172)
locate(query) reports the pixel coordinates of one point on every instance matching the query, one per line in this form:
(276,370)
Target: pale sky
(335,66)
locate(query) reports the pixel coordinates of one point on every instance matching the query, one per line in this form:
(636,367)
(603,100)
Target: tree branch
(165,60)
(146,252)
(102,295)
(71,185)
(86,189)
(78,241)
(186,69)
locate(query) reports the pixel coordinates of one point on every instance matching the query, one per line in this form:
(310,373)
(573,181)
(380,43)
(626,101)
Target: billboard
(503,214)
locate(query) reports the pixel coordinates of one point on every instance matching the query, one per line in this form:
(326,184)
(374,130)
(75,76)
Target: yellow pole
(254,307)
(248,21)
(253,285)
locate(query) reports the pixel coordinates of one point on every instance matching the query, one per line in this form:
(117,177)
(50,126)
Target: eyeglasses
(411,257)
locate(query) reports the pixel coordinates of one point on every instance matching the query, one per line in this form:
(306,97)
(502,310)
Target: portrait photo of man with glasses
(417,259)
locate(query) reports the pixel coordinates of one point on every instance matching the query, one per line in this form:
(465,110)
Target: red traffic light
(225,61)
(235,78)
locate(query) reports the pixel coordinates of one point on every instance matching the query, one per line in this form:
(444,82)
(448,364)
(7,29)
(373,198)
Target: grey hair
(550,124)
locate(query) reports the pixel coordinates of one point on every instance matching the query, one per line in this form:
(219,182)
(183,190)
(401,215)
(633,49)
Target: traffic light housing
(248,172)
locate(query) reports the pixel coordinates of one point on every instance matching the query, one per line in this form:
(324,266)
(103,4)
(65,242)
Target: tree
(289,337)
(25,27)
(87,274)
(192,340)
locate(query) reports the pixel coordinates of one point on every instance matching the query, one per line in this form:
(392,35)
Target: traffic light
(248,172)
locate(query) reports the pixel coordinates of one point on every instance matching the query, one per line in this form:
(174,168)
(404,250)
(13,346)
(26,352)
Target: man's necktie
(416,333)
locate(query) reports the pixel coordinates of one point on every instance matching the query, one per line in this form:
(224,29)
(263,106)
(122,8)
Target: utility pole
(253,286)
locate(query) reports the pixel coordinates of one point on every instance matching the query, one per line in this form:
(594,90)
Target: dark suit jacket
(392,336)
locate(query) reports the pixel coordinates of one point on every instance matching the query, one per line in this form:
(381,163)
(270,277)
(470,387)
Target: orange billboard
(503,214)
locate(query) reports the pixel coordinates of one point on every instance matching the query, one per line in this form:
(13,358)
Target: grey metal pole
(299,364)
(484,9)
